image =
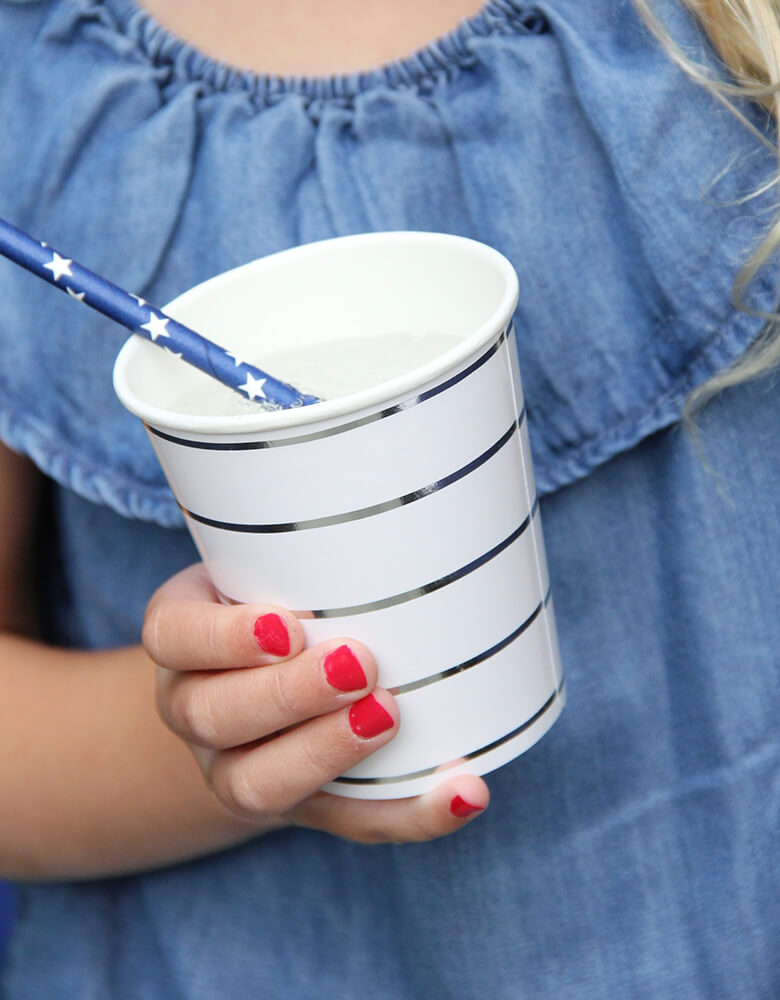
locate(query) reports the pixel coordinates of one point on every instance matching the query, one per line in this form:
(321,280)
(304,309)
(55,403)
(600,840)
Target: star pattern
(156,326)
(134,312)
(253,387)
(59,266)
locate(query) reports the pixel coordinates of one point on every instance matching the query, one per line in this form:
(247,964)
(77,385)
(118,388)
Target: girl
(160,809)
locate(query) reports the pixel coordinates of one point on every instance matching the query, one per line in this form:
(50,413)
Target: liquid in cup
(326,370)
(402,513)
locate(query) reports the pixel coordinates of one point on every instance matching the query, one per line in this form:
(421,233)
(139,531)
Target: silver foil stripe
(410,595)
(473,661)
(424,772)
(428,588)
(351,425)
(362,512)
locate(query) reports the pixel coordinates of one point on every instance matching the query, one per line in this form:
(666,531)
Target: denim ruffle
(557,132)
(626,854)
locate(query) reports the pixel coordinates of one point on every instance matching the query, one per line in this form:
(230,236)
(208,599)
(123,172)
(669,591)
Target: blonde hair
(746,34)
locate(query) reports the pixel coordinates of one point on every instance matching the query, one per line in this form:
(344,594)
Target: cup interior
(359,286)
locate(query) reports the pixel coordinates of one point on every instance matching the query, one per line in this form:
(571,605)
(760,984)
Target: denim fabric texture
(632,853)
(6,917)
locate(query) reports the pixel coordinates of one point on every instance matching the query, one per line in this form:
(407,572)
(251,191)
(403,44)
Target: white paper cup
(403,515)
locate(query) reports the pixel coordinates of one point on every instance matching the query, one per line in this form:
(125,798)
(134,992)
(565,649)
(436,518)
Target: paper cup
(403,514)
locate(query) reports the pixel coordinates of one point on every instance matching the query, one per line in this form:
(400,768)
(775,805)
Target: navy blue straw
(137,315)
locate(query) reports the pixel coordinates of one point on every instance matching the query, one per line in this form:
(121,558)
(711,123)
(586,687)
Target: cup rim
(327,410)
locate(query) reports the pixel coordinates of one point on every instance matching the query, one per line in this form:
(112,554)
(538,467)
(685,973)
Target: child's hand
(270,722)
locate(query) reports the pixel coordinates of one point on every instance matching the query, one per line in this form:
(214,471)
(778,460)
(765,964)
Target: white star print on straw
(253,387)
(133,312)
(59,266)
(156,327)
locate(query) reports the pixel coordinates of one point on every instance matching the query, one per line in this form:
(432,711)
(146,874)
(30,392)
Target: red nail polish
(461,808)
(368,718)
(343,670)
(272,635)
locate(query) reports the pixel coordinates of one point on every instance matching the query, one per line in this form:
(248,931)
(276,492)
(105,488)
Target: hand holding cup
(271,721)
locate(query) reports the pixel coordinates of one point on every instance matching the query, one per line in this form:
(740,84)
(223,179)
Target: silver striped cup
(403,515)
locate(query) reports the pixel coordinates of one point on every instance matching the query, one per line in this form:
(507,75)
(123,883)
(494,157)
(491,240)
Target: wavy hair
(746,35)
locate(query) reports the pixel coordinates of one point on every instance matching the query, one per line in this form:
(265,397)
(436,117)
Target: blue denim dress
(632,853)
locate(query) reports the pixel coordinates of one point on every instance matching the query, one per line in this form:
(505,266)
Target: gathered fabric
(626,855)
(557,133)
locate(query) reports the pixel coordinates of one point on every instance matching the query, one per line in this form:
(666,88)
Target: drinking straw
(147,321)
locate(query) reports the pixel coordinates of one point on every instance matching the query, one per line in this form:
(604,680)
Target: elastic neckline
(443,55)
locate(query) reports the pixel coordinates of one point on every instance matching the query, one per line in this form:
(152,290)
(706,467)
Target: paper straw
(147,321)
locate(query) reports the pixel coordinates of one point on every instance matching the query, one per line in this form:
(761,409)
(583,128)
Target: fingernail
(343,670)
(461,808)
(272,635)
(368,718)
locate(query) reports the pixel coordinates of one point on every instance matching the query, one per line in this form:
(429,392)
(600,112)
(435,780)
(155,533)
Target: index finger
(186,627)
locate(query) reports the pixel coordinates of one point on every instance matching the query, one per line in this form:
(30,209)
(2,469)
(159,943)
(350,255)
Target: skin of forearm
(91,782)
